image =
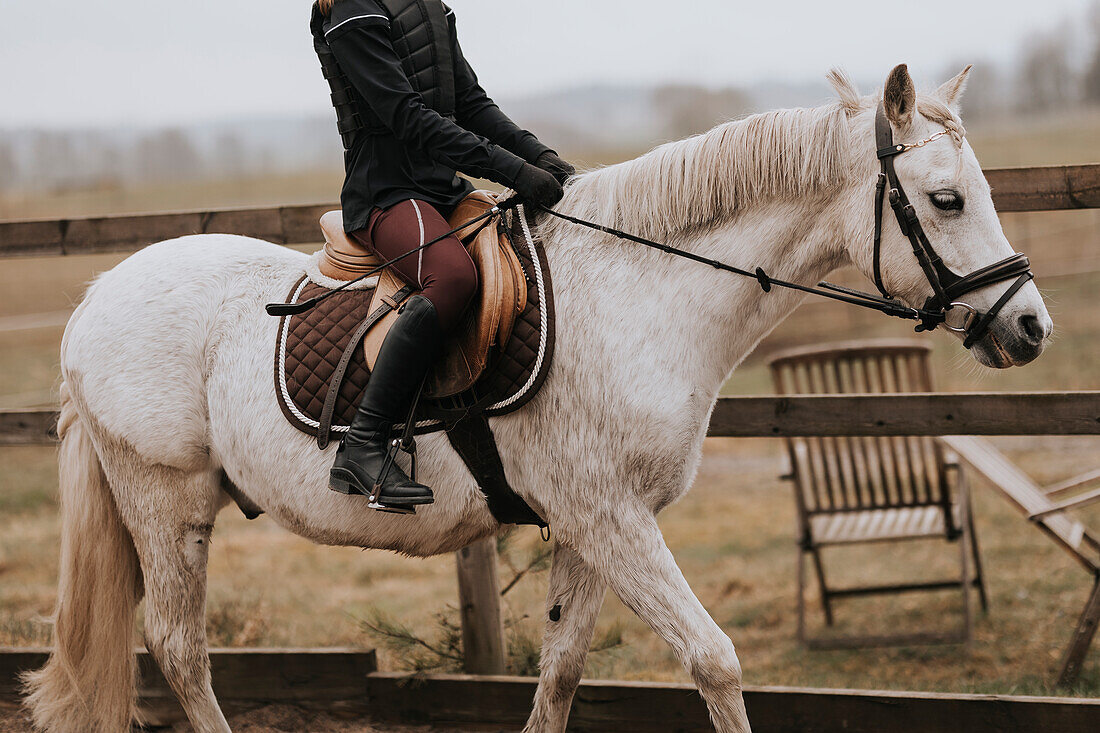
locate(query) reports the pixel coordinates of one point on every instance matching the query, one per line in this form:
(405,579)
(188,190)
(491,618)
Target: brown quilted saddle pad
(314,347)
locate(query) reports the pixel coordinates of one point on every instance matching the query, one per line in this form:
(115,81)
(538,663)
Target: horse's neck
(684,320)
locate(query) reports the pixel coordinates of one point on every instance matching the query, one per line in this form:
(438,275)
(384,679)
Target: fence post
(479,600)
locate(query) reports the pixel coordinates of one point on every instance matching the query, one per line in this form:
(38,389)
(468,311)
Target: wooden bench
(1038,505)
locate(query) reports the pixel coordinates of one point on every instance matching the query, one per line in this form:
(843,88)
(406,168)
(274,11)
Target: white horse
(168,395)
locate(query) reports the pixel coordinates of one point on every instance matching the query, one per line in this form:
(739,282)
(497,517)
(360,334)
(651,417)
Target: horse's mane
(692,182)
(775,155)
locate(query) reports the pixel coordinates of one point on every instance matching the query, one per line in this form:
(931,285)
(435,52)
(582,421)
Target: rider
(411,113)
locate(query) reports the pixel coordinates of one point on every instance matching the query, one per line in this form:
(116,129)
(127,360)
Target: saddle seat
(502,293)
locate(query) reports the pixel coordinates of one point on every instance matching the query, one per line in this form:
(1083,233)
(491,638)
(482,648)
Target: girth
(947,286)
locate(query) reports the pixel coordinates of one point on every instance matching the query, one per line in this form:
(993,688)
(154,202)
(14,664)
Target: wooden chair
(853,490)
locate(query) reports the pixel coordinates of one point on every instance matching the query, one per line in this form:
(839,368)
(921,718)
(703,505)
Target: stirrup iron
(407,444)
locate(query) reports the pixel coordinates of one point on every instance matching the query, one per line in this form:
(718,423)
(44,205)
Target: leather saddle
(502,293)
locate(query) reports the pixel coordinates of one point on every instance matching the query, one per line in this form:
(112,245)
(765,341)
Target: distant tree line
(1055,70)
(61,160)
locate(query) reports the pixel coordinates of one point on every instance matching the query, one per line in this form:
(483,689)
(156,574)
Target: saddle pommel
(471,207)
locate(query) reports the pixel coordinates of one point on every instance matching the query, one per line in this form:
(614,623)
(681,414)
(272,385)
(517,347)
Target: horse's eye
(946,200)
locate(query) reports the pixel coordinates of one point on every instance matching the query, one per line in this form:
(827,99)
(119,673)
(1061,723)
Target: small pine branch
(416,653)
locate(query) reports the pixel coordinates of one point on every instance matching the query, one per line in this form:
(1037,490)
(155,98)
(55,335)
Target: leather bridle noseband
(947,287)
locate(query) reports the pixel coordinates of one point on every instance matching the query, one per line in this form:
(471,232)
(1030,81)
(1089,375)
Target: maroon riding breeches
(444,271)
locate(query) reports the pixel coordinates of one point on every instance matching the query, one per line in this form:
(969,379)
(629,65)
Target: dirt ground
(271,719)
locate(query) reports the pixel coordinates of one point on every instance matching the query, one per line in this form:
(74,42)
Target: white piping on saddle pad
(313,272)
(536,265)
(284,332)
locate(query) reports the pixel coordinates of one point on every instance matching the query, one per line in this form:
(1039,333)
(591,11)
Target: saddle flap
(502,296)
(389,282)
(518,291)
(471,207)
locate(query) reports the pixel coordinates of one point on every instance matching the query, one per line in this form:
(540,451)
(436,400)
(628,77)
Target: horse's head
(951,199)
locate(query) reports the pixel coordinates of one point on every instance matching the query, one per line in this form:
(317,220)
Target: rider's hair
(325,5)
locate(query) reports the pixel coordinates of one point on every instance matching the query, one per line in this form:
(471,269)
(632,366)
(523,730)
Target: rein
(824,289)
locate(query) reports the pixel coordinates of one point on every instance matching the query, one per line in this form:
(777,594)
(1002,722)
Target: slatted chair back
(863,474)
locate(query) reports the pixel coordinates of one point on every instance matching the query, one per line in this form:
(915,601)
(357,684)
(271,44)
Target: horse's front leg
(572,604)
(623,544)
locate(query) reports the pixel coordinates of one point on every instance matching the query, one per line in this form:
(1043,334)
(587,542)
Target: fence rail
(934,413)
(346,680)
(1014,189)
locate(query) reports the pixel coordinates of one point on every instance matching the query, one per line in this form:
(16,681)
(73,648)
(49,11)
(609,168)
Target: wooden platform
(346,680)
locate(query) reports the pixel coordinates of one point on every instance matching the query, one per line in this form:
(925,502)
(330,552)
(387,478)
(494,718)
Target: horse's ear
(952,90)
(900,97)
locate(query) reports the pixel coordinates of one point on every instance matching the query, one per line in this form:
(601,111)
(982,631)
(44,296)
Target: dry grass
(733,534)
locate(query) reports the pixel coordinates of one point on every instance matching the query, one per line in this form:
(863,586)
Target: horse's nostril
(1033,330)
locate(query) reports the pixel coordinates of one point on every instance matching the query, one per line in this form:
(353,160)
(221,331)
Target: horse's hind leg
(171,517)
(573,602)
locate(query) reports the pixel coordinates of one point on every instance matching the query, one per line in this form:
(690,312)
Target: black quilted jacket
(405,149)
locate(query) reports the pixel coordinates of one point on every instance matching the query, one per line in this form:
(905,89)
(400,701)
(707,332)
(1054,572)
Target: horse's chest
(660,454)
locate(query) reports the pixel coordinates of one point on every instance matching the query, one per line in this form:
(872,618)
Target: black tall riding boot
(411,347)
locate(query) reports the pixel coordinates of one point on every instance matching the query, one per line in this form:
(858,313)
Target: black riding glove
(537,186)
(552,164)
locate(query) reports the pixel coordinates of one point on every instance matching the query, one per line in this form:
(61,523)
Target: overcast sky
(71,63)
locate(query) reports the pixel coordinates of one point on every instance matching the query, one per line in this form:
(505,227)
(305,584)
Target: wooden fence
(346,682)
(936,413)
(1014,189)
(1029,413)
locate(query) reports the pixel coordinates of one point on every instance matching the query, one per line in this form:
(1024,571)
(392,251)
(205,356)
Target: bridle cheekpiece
(947,286)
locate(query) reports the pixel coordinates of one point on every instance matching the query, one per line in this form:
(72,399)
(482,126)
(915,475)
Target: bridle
(947,287)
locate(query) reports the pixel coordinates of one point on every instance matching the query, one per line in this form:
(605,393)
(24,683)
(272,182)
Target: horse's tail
(88,682)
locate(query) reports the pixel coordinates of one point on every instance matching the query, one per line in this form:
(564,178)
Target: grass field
(733,534)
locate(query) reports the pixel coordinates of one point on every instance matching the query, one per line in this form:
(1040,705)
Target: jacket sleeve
(367,58)
(475,111)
